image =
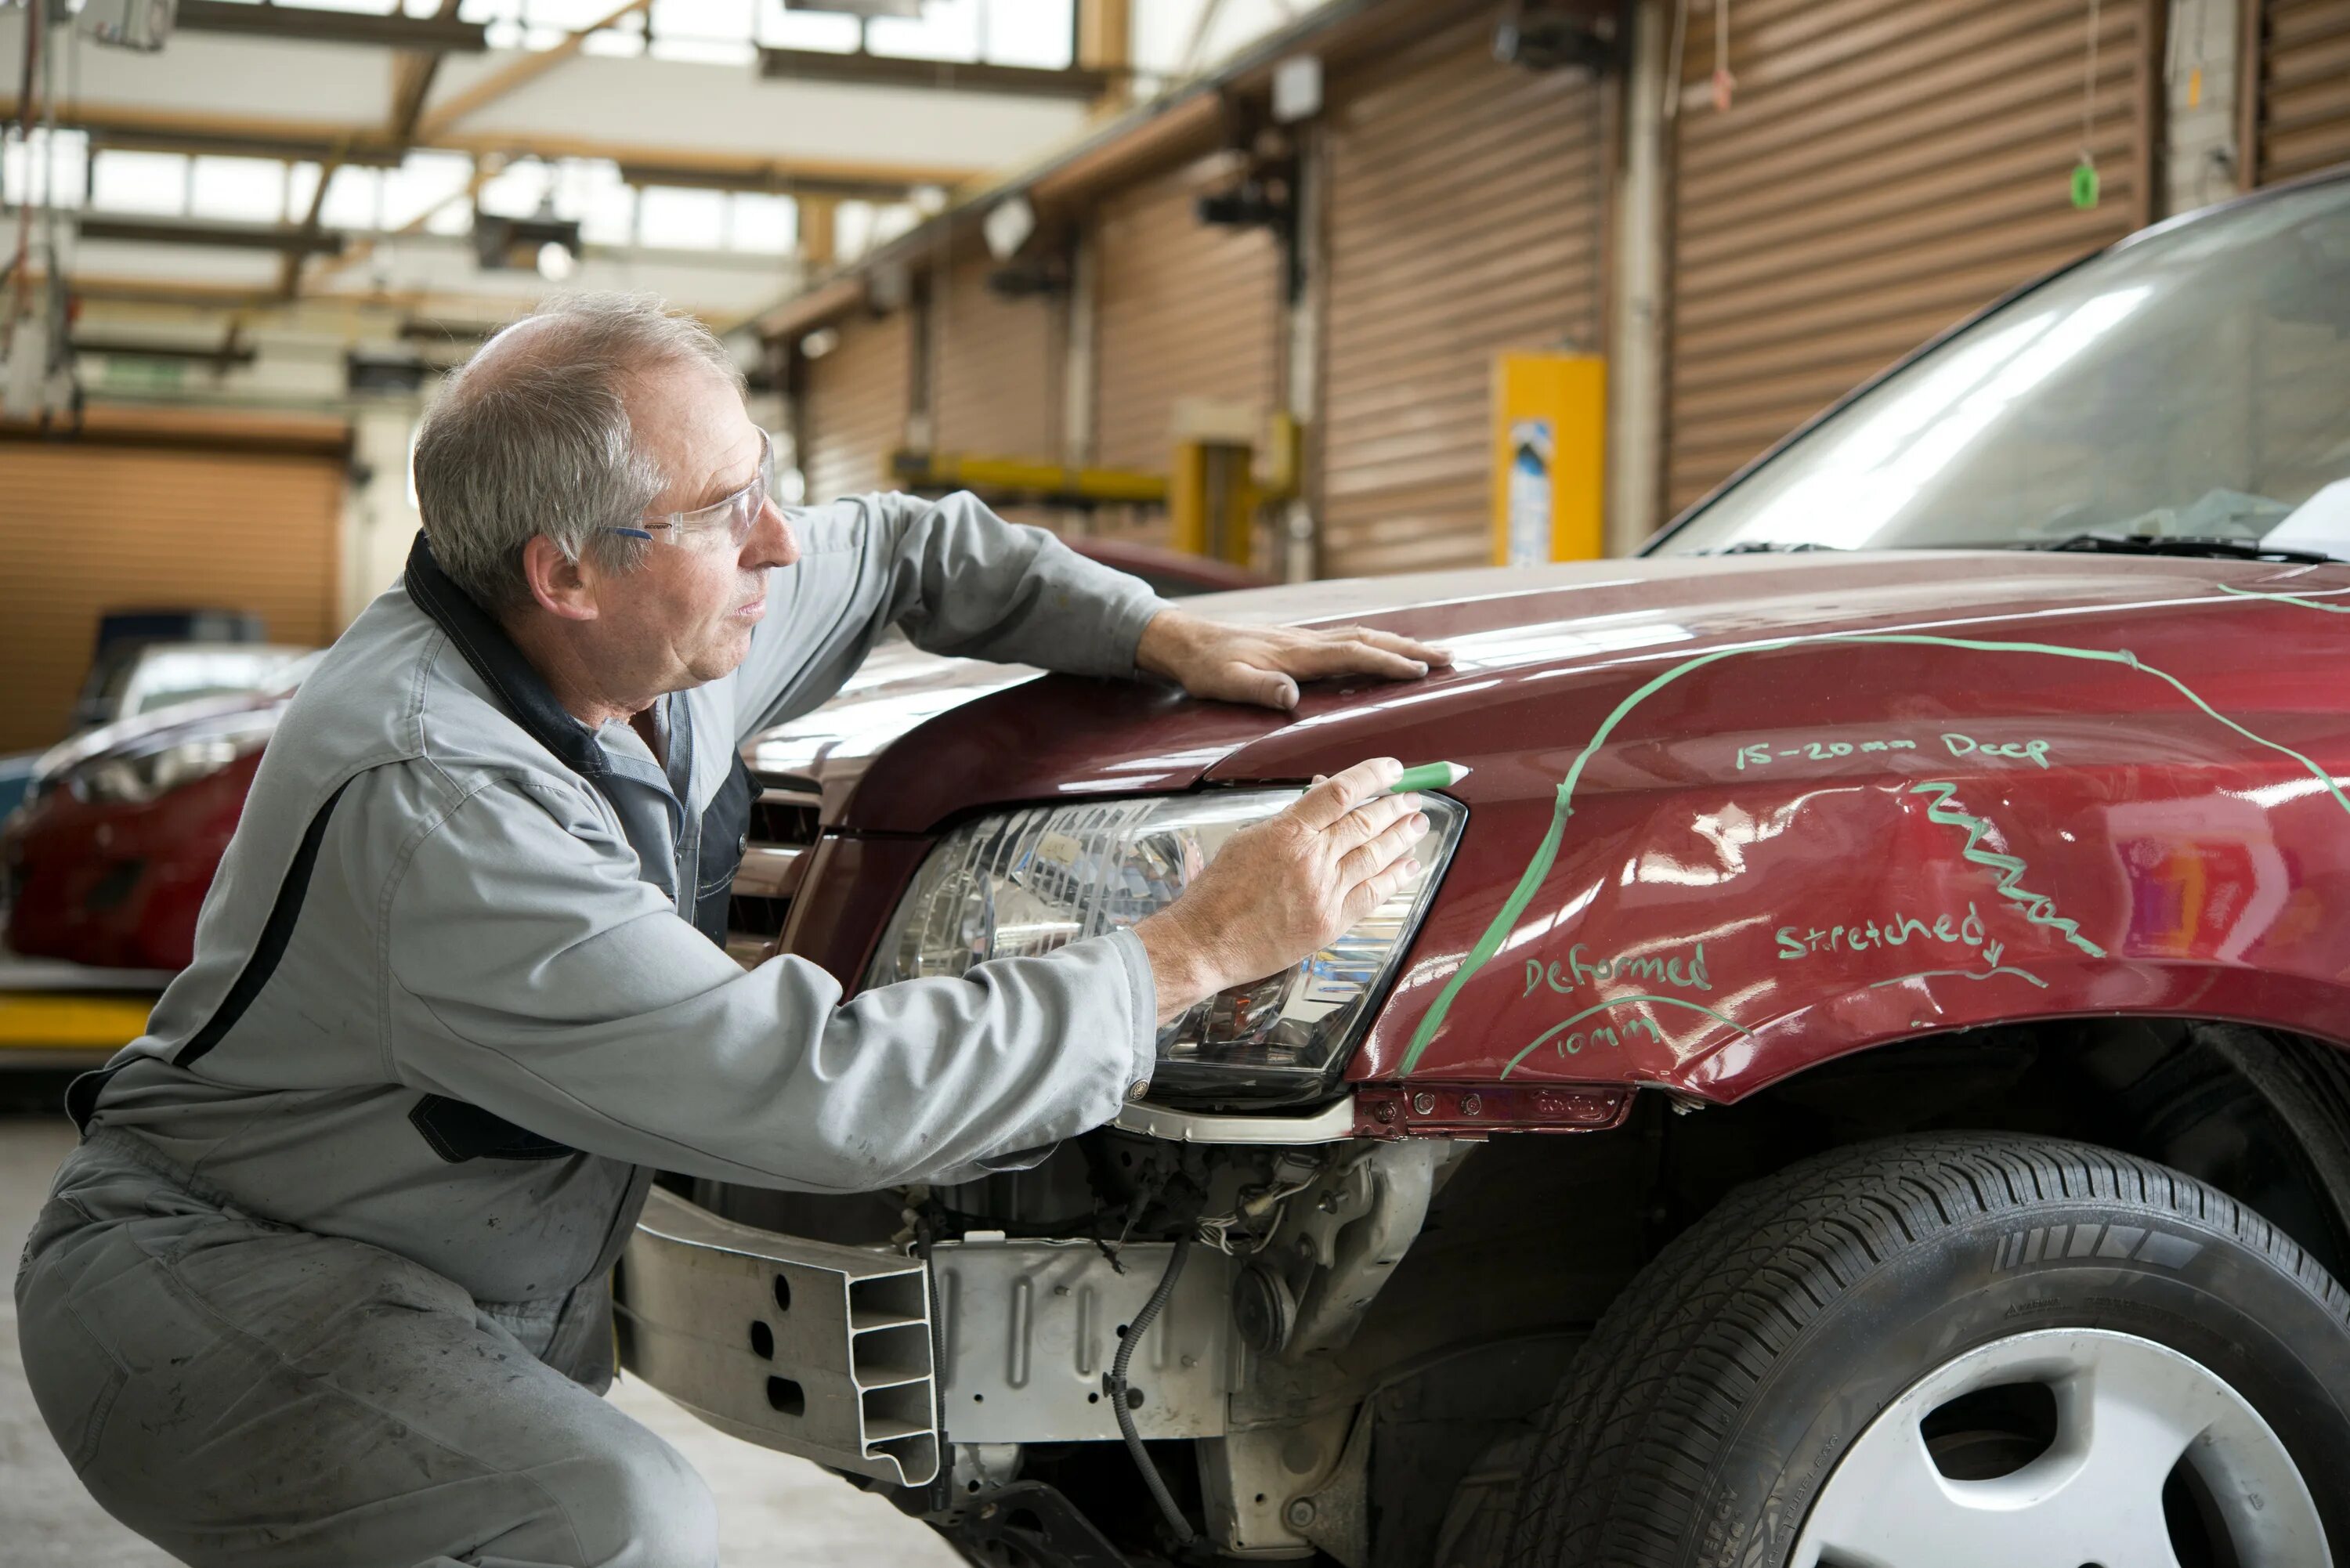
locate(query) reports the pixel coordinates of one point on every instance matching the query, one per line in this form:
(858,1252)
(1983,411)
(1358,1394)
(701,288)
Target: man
(325,1282)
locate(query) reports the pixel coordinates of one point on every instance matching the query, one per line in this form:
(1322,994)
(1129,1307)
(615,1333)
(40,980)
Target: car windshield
(2193,384)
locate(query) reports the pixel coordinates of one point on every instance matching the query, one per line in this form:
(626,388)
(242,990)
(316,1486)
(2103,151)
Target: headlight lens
(1025,882)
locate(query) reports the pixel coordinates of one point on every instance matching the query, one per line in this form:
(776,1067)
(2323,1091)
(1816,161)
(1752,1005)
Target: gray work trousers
(244,1393)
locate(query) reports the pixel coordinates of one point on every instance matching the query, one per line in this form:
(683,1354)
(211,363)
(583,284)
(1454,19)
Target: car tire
(1754,1399)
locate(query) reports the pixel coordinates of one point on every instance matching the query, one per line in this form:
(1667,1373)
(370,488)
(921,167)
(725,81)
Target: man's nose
(771,543)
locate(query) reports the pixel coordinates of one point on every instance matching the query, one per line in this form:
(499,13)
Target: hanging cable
(2085,173)
(1116,1383)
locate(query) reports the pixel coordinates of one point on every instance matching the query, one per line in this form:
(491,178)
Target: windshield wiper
(1767,548)
(2207,545)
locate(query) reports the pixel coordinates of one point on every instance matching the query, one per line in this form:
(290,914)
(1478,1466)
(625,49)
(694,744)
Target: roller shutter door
(1465,203)
(1886,167)
(995,368)
(1182,309)
(85,529)
(854,403)
(2298,95)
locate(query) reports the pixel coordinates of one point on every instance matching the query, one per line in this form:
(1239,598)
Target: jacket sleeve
(533,975)
(954,576)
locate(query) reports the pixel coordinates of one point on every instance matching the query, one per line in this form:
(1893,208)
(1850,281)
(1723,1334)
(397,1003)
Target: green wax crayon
(1429,775)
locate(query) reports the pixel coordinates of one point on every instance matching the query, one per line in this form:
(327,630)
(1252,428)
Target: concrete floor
(773,1510)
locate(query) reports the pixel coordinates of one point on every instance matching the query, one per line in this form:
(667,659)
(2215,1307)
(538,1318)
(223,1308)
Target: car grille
(786,816)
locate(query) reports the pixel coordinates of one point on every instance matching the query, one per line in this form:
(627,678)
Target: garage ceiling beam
(318,140)
(774,179)
(499,84)
(240,145)
(287,237)
(309,25)
(947,75)
(228,352)
(411,82)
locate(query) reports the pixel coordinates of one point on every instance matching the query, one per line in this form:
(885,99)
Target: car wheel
(1958,1352)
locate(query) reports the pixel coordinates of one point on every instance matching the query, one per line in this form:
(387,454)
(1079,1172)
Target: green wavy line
(1964,974)
(1546,854)
(2010,868)
(2289,598)
(1617,1002)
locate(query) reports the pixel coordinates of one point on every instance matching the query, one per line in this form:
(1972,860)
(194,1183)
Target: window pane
(422,182)
(301,190)
(946,30)
(515,191)
(250,189)
(31,164)
(828,30)
(140,182)
(763,223)
(352,200)
(703,19)
(1030,33)
(676,219)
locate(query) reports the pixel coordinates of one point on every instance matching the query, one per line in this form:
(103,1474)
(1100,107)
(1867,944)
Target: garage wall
(996,367)
(1465,200)
(854,403)
(1184,310)
(2297,88)
(94,528)
(1886,167)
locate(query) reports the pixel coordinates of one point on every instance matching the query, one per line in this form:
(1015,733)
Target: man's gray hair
(533,436)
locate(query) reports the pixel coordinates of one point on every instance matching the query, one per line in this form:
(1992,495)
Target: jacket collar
(497,660)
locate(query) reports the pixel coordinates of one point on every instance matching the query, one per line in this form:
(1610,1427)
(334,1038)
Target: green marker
(1429,775)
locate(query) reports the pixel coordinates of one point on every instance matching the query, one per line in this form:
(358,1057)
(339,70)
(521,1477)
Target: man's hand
(1286,887)
(1263,664)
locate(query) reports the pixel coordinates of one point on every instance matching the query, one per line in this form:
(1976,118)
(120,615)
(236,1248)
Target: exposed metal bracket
(1334,1122)
(812,1348)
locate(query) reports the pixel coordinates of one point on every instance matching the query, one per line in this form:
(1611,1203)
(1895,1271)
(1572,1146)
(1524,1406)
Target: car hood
(916,739)
(152,731)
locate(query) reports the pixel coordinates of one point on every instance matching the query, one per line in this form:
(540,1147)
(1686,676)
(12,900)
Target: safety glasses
(730,519)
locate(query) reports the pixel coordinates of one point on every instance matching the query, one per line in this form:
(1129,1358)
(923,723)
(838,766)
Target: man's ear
(561,586)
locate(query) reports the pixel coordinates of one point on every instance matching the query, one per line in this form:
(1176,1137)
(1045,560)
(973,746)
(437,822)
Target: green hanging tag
(2084,185)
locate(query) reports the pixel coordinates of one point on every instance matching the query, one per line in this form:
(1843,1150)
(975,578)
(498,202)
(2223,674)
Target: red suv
(1860,1081)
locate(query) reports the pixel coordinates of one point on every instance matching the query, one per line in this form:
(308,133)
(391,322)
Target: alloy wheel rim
(2126,1415)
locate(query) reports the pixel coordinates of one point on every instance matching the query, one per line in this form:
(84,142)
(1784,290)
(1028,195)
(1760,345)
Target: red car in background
(107,861)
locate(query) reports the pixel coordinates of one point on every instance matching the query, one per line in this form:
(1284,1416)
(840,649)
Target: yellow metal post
(1549,433)
(1211,500)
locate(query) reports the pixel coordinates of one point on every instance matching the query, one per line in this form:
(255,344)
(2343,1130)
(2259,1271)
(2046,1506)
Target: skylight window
(427,182)
(154,182)
(26,167)
(832,32)
(675,219)
(768,225)
(242,189)
(354,200)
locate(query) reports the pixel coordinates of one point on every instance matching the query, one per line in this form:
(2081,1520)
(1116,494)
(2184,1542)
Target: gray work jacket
(449,996)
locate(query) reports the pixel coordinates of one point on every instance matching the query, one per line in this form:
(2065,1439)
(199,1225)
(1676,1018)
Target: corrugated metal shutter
(1465,203)
(1183,310)
(1886,167)
(2299,89)
(854,408)
(995,368)
(85,529)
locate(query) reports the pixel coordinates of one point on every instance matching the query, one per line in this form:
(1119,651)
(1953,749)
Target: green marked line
(2289,598)
(1546,1035)
(1964,974)
(1546,854)
(2038,907)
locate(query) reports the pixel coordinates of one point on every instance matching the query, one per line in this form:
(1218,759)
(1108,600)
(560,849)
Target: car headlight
(135,777)
(1024,882)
